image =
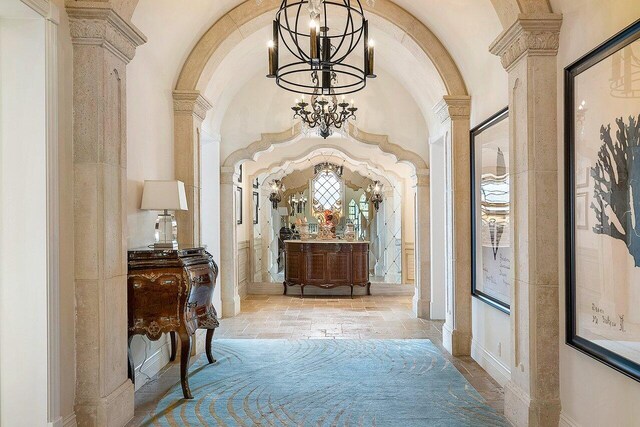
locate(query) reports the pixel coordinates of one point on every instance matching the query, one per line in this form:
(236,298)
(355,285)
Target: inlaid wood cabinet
(171,291)
(326,264)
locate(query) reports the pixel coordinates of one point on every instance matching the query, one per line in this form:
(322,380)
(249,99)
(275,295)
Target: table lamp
(165,196)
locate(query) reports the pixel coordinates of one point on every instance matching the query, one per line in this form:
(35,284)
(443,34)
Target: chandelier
(321,47)
(326,113)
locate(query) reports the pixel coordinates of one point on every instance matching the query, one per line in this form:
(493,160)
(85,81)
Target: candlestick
(370,60)
(313,35)
(273,61)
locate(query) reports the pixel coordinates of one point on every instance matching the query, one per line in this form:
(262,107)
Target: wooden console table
(326,264)
(171,291)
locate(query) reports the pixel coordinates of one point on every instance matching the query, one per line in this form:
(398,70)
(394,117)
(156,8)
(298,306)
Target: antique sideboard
(171,291)
(326,264)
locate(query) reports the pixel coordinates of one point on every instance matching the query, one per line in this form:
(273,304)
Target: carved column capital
(191,102)
(453,107)
(423,177)
(530,35)
(227,175)
(98,24)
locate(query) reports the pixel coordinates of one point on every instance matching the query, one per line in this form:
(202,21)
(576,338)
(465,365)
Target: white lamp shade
(164,195)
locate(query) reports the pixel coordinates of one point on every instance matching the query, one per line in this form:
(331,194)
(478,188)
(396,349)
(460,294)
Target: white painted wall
(23,218)
(592,394)
(210,201)
(438,222)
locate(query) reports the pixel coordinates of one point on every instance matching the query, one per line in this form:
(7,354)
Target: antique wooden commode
(171,291)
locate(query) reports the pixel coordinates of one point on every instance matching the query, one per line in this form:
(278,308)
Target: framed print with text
(491,250)
(602,218)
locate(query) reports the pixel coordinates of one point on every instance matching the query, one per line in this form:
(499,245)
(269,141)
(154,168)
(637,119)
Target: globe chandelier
(322,37)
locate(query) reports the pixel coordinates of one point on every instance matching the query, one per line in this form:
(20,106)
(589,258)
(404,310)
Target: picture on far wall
(240,173)
(256,207)
(256,183)
(238,203)
(490,209)
(602,211)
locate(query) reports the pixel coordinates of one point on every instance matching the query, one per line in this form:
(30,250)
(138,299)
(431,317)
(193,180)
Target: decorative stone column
(103,44)
(228,245)
(190,108)
(453,112)
(528,51)
(422,297)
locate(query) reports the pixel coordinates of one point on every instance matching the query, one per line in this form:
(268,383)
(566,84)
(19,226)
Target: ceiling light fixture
(322,58)
(326,114)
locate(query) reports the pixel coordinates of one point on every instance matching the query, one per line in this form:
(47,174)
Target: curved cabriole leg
(285,287)
(301,292)
(351,291)
(208,345)
(174,345)
(369,288)
(185,354)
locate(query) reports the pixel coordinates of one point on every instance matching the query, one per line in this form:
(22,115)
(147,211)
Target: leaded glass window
(327,189)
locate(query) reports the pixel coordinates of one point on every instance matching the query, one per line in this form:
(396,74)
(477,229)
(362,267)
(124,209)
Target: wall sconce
(275,197)
(376,193)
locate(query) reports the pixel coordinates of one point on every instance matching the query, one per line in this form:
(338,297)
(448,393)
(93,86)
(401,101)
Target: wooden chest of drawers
(326,264)
(171,291)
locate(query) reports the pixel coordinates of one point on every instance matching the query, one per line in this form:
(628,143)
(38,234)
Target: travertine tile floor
(364,317)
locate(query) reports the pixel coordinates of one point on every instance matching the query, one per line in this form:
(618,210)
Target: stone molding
(191,102)
(98,24)
(382,141)
(244,20)
(531,35)
(453,107)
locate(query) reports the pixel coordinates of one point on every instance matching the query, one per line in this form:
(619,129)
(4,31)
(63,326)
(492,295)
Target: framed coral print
(602,218)
(490,209)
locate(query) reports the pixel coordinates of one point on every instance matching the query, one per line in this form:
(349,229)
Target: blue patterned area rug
(325,383)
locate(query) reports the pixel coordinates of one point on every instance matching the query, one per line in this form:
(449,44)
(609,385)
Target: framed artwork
(256,206)
(491,251)
(256,183)
(238,205)
(240,174)
(602,218)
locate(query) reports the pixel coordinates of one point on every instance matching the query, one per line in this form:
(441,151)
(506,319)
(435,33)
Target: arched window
(364,206)
(327,189)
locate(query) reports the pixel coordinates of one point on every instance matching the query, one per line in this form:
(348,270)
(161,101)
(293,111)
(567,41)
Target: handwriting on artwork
(600,317)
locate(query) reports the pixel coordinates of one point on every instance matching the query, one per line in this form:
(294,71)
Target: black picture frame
(256,184)
(256,207)
(475,132)
(239,205)
(240,172)
(573,339)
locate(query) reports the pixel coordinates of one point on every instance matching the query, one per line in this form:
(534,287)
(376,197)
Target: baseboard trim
(158,360)
(70,421)
(494,367)
(376,289)
(567,421)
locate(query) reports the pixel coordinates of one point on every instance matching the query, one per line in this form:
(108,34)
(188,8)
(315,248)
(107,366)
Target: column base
(422,308)
(231,308)
(521,410)
(114,410)
(455,342)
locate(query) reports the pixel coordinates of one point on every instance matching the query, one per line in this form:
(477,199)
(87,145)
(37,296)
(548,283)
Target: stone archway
(228,239)
(454,112)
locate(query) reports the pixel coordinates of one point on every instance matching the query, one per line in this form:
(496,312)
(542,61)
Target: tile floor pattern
(365,317)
